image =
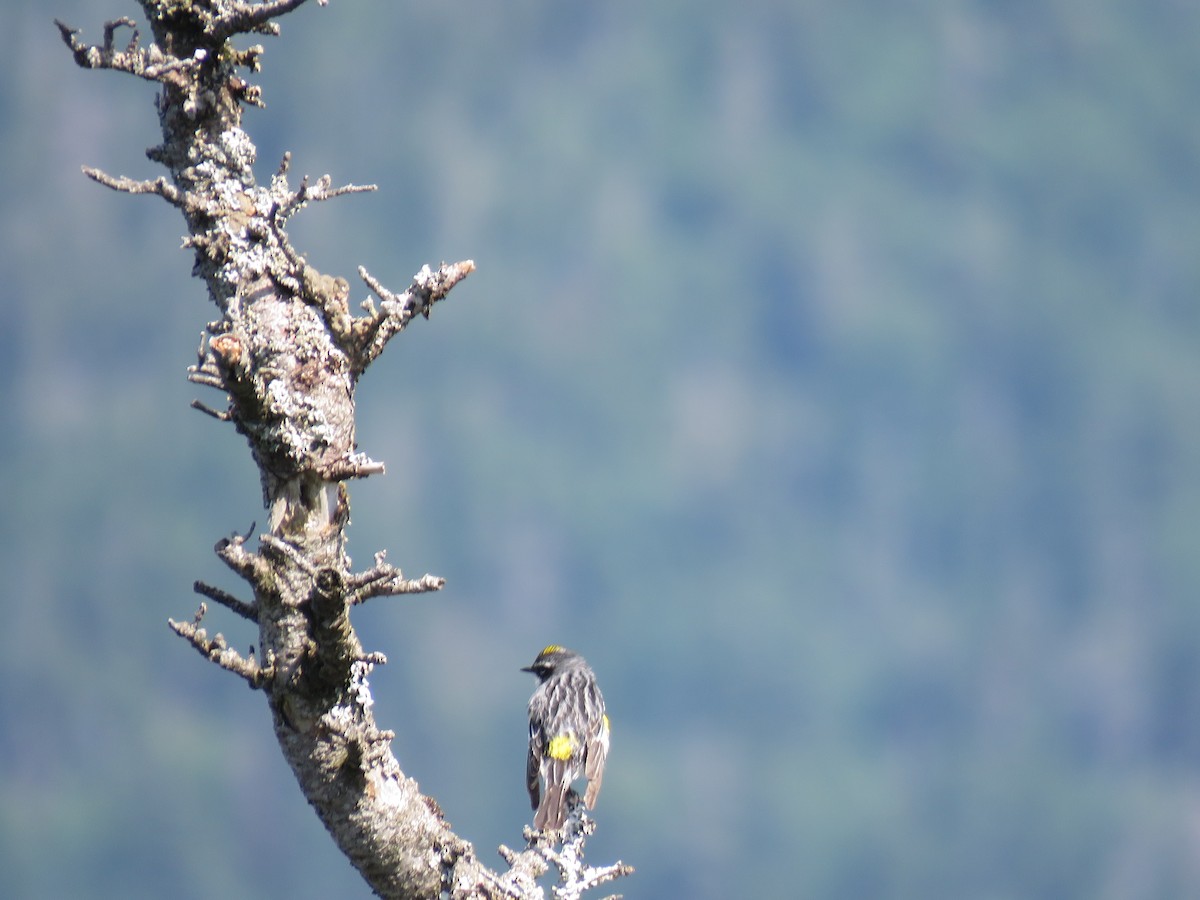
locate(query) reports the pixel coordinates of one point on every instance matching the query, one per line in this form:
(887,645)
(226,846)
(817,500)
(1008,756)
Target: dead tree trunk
(287,352)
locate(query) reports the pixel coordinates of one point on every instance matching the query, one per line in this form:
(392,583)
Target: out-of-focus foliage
(830,379)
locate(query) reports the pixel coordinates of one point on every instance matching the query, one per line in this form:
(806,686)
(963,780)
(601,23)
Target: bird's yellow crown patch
(550,648)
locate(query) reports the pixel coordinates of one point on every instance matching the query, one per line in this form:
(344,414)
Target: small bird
(568,734)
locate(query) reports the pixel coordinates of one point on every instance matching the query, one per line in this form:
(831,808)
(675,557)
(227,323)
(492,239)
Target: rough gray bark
(287,352)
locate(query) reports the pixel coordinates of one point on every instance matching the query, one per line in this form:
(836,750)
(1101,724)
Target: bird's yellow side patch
(604,719)
(561,747)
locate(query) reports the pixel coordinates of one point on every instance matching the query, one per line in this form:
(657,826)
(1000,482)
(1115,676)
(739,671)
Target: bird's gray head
(554,658)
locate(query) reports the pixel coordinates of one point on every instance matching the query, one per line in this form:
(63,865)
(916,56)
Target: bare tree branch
(287,352)
(151,63)
(158,186)
(226,599)
(216,650)
(219,415)
(324,190)
(575,877)
(384,579)
(373,331)
(247,17)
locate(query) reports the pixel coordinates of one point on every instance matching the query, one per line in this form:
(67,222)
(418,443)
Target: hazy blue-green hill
(829,379)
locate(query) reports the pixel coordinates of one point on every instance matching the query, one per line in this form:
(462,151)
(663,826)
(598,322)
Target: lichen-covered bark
(286,352)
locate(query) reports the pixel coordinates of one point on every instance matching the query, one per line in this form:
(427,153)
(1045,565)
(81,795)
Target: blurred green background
(830,380)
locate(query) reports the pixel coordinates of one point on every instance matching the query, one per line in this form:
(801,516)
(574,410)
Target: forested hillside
(830,378)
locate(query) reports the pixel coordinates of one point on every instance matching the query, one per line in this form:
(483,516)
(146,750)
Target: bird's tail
(552,811)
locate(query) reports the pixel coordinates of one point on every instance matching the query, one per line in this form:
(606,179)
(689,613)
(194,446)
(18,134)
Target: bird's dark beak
(526,668)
